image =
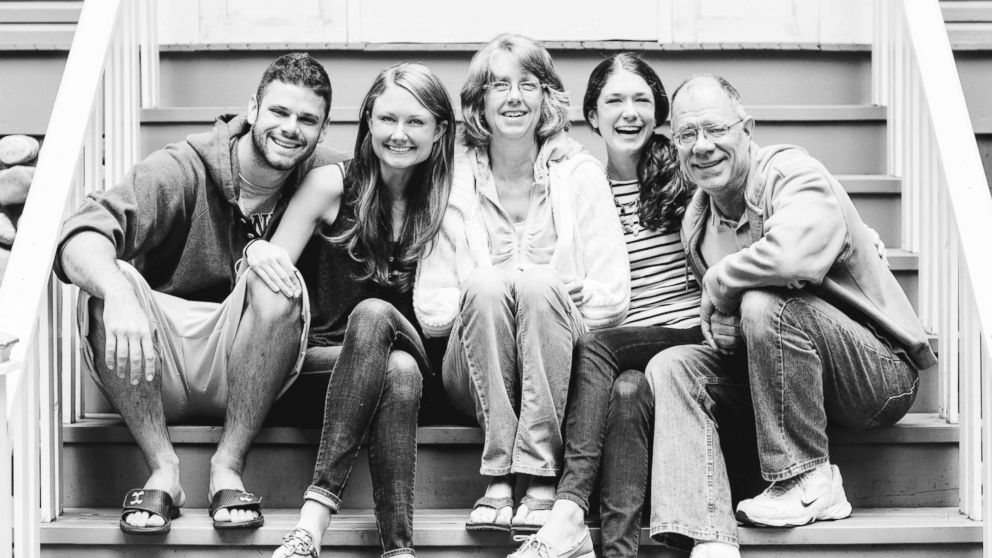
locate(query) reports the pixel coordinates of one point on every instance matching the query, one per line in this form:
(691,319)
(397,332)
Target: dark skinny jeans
(608,420)
(374,391)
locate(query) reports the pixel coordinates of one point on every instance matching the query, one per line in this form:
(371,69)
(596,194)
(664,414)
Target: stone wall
(18,156)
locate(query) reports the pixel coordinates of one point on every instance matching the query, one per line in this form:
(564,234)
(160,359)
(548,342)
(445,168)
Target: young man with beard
(177,334)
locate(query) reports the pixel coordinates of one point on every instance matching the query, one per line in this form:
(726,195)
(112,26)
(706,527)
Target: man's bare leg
(265,348)
(140,405)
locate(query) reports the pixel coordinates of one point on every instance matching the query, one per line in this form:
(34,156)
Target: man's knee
(270,306)
(757,305)
(764,311)
(403,376)
(669,373)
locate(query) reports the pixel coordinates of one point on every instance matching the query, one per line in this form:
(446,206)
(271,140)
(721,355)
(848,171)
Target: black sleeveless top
(333,281)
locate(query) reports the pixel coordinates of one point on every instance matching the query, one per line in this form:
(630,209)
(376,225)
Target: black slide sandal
(229,498)
(157,502)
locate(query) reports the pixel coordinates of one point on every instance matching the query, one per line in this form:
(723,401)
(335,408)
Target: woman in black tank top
(374,217)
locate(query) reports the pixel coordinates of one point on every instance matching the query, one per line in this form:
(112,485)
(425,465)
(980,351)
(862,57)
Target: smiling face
(286,124)
(625,114)
(513,114)
(719,166)
(402,130)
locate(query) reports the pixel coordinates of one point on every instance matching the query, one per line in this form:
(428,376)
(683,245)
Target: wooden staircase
(969,26)
(902,480)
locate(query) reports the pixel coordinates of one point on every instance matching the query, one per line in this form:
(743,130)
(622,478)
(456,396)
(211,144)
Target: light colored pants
(806,365)
(193,340)
(508,362)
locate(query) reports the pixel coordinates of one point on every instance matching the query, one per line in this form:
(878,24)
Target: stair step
(28,99)
(970,11)
(910,464)
(213,76)
(39,12)
(902,260)
(883,532)
(762,113)
(914,428)
(34,25)
(973,36)
(847,139)
(552,46)
(36,36)
(870,184)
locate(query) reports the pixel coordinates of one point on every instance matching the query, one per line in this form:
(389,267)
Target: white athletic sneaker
(812,496)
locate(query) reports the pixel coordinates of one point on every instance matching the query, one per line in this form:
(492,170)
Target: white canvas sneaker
(812,496)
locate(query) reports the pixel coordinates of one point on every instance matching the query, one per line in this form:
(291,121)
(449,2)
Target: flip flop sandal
(149,500)
(522,530)
(299,542)
(497,504)
(227,499)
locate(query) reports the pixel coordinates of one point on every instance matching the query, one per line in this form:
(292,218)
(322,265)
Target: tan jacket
(806,233)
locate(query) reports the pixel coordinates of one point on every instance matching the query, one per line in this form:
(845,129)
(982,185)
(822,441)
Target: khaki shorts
(193,341)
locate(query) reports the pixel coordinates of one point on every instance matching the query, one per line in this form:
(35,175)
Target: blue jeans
(807,365)
(374,391)
(508,363)
(608,420)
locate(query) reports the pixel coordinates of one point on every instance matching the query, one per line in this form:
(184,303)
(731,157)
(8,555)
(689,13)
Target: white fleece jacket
(590,240)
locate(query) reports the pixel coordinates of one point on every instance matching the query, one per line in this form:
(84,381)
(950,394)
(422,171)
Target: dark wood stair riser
(896,474)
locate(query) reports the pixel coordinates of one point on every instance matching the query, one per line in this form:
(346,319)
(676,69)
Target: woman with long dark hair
(376,216)
(530,257)
(610,408)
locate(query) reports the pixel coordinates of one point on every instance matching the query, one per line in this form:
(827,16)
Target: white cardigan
(590,240)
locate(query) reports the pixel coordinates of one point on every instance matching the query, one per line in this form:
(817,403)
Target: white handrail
(31,259)
(947,211)
(92,137)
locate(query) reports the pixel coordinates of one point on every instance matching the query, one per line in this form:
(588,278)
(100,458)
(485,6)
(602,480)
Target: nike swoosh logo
(811,502)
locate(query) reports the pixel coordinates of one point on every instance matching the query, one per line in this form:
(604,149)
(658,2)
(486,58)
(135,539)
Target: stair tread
(913,428)
(446,528)
(870,183)
(902,260)
(36,36)
(346,114)
(40,12)
(970,36)
(618,45)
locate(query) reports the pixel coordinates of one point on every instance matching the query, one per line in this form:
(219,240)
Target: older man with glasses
(804,323)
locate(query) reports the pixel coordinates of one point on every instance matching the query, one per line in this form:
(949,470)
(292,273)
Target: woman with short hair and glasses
(530,257)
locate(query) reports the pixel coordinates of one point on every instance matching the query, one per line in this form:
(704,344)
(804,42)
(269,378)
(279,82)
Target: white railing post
(148,38)
(986,438)
(50,416)
(92,134)
(7,366)
(947,212)
(879,53)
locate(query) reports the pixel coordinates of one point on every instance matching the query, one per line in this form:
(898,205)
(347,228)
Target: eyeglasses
(526,87)
(687,138)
